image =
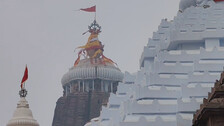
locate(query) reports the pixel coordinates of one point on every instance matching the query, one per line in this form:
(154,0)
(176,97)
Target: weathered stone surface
(78,108)
(211,112)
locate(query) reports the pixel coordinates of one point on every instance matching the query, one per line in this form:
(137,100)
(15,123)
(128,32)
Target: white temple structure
(23,115)
(179,66)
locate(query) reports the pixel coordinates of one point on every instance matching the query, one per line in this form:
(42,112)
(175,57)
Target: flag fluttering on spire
(90,9)
(78,59)
(105,59)
(25,77)
(218,0)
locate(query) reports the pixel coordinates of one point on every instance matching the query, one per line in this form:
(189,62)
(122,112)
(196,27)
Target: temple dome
(23,115)
(93,69)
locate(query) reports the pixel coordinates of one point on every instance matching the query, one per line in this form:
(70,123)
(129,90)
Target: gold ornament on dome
(93,48)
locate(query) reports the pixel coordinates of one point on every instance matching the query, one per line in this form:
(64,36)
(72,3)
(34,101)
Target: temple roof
(88,69)
(23,115)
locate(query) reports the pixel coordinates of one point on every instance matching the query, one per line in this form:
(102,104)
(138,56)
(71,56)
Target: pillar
(87,86)
(93,84)
(79,85)
(111,87)
(66,90)
(70,85)
(83,85)
(106,86)
(102,85)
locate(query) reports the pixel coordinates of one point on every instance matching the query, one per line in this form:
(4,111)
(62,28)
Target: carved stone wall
(78,108)
(211,112)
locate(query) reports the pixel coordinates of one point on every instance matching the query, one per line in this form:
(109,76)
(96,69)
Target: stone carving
(211,112)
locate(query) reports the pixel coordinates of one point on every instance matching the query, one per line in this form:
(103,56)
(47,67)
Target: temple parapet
(188,104)
(129,78)
(149,52)
(211,111)
(173,67)
(195,90)
(179,55)
(201,76)
(188,21)
(126,89)
(171,79)
(208,66)
(159,92)
(184,119)
(115,102)
(109,115)
(149,106)
(156,120)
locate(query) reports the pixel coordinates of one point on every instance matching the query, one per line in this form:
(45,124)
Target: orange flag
(77,61)
(25,77)
(105,59)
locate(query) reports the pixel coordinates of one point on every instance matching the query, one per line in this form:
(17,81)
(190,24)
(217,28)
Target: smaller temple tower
(88,84)
(23,115)
(211,112)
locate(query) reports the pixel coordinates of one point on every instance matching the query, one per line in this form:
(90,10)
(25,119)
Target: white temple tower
(179,66)
(23,115)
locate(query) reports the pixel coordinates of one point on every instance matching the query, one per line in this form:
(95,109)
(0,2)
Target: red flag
(218,0)
(90,9)
(77,61)
(25,77)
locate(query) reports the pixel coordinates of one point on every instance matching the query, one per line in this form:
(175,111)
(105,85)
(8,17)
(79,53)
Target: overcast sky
(44,34)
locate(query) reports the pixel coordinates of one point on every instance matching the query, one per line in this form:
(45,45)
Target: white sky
(44,34)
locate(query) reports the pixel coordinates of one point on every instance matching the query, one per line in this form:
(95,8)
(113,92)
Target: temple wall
(78,108)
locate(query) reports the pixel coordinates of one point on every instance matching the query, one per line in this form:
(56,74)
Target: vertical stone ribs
(79,108)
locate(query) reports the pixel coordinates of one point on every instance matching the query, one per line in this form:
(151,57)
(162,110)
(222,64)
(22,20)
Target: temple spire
(23,115)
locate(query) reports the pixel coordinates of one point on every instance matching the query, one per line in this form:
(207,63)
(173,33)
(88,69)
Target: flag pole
(95,15)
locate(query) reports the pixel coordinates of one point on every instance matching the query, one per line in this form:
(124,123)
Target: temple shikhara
(88,84)
(178,67)
(178,83)
(23,115)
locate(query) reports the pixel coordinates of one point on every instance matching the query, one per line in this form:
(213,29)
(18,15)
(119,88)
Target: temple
(23,115)
(88,84)
(178,67)
(211,112)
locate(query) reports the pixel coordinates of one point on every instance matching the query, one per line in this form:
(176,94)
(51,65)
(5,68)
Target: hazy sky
(44,34)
